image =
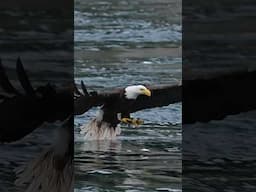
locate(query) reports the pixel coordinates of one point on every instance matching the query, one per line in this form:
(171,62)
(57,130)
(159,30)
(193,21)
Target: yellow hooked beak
(146,92)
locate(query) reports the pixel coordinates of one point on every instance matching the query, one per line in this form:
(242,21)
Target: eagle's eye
(141,89)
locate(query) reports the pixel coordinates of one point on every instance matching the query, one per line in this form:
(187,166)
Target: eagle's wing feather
(4,81)
(161,95)
(87,100)
(21,113)
(226,94)
(23,78)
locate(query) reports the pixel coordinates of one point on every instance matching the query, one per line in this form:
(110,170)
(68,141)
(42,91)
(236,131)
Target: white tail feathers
(99,130)
(48,173)
(53,170)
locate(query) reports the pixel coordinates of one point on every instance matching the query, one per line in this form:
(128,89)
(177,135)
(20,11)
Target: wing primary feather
(4,81)
(77,92)
(23,78)
(84,89)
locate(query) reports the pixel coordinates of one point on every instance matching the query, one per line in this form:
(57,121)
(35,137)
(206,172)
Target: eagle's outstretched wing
(23,111)
(203,99)
(84,100)
(215,98)
(162,95)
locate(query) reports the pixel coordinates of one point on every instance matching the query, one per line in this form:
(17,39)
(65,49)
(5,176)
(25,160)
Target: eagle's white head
(132,92)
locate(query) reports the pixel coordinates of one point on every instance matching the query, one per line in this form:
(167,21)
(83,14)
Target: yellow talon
(126,120)
(137,122)
(132,121)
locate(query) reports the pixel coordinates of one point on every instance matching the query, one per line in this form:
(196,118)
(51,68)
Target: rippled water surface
(118,43)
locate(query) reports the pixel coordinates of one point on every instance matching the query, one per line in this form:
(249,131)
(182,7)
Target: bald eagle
(114,111)
(23,111)
(116,107)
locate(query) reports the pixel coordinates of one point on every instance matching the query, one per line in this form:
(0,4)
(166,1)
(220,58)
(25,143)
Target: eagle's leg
(131,121)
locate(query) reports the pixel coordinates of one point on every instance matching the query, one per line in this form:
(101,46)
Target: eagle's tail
(99,130)
(46,175)
(53,170)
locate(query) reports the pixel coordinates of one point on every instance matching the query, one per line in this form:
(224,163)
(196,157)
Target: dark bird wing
(85,100)
(22,112)
(162,95)
(215,98)
(203,99)
(23,78)
(4,81)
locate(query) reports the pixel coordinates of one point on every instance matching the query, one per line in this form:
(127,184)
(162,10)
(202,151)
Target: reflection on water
(218,156)
(147,158)
(119,43)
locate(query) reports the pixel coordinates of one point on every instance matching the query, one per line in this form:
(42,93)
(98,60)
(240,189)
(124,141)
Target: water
(218,156)
(119,43)
(145,158)
(126,43)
